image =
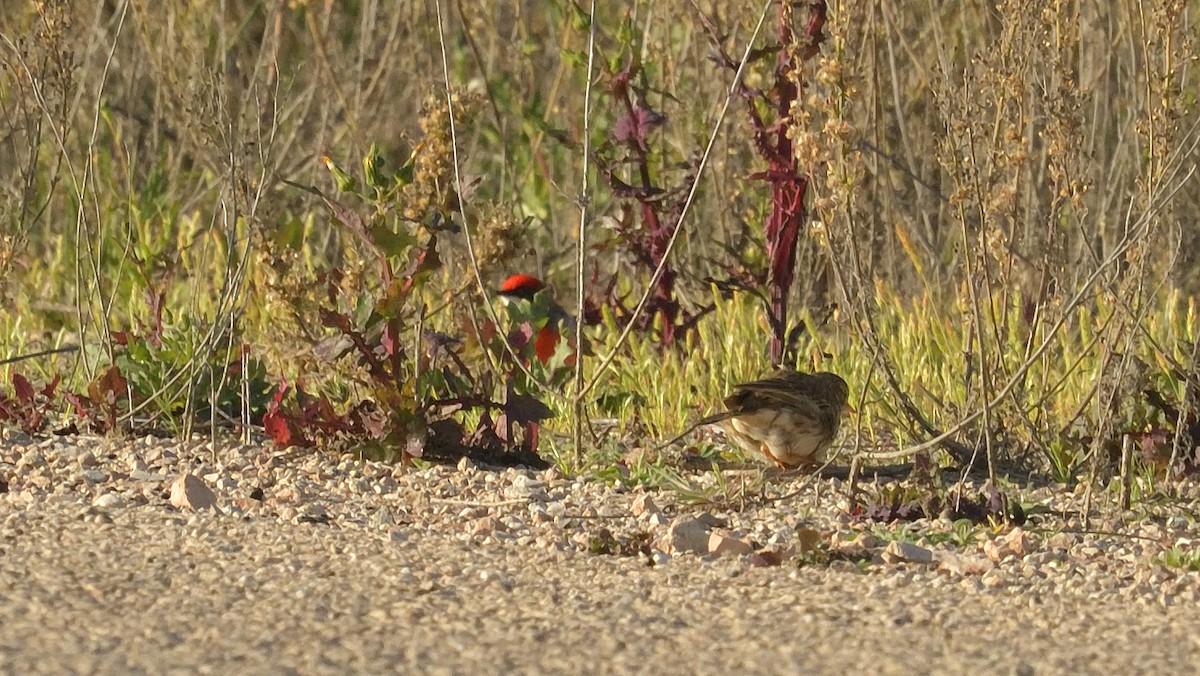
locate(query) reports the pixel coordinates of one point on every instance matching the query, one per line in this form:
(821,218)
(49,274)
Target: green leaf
(391,242)
(364,307)
(574,57)
(345,182)
(404,175)
(373,165)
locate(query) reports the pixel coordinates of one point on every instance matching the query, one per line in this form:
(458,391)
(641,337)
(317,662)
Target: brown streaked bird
(788,416)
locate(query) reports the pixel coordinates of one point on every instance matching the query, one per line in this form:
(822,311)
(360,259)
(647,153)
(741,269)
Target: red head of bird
(520,286)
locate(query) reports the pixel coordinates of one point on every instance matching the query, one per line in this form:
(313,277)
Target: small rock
(109,501)
(539,516)
(88,459)
(962,564)
(486,526)
(993,579)
(660,558)
(93,515)
(135,463)
(524,487)
(1016,543)
(687,534)
(723,544)
(465,464)
(993,550)
(314,513)
(865,540)
(189,491)
(95,476)
(898,551)
(643,505)
(1062,541)
(143,475)
(769,557)
(1019,542)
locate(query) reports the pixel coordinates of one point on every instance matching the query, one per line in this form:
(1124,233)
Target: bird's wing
(782,388)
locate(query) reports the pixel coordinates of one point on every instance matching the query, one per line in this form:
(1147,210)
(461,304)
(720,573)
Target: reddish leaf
(51,387)
(335,320)
(634,126)
(388,340)
(82,405)
(520,336)
(7,409)
(373,421)
(276,427)
(414,445)
(619,82)
(156,302)
(487,331)
(22,388)
(547,341)
(113,383)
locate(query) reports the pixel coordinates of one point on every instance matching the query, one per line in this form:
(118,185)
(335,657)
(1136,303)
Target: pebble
(908,552)
(190,492)
(495,511)
(94,476)
(109,501)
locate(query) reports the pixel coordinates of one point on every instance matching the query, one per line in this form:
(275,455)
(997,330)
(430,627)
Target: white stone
(109,501)
(643,506)
(723,544)
(687,534)
(908,552)
(190,492)
(95,476)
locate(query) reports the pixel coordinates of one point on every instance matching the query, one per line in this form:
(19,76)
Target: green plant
(1181,557)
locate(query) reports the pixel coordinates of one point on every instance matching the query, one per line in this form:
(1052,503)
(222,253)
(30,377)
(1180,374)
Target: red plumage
(521,286)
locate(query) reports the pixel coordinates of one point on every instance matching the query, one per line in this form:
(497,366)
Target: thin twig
(581,246)
(44,353)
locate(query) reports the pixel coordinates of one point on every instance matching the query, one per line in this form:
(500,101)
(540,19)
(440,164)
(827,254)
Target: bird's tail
(707,420)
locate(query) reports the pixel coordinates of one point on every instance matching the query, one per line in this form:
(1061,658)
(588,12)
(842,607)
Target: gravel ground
(111,563)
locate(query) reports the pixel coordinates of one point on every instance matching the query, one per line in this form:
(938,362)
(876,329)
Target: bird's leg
(766,450)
